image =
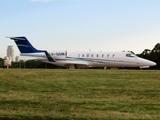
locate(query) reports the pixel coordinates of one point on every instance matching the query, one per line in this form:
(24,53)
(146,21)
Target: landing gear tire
(72,67)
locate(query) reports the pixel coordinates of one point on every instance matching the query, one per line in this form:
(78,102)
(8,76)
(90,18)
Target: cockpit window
(130,55)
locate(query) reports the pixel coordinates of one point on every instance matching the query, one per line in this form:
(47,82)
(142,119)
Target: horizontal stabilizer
(15,38)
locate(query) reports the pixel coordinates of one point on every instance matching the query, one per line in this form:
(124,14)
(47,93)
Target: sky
(81,25)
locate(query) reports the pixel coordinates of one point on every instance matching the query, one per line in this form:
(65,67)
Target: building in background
(17,59)
(10,53)
(5,57)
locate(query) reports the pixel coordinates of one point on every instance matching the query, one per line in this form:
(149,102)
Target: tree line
(153,55)
(30,64)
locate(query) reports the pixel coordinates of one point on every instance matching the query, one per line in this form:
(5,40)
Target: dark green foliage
(1,63)
(33,64)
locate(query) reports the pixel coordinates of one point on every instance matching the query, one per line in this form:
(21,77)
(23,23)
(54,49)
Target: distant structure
(10,53)
(5,57)
(17,59)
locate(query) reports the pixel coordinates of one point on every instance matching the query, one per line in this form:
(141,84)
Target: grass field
(79,94)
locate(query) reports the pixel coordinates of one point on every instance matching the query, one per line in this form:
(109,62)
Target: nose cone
(151,63)
(144,63)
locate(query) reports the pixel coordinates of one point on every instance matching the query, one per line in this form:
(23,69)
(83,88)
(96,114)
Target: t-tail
(25,46)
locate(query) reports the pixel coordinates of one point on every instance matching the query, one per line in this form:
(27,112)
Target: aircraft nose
(144,62)
(151,63)
(154,64)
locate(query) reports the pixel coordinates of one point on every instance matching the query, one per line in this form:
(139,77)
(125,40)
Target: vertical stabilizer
(24,45)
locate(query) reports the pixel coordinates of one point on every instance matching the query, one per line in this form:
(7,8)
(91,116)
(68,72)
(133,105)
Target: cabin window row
(96,55)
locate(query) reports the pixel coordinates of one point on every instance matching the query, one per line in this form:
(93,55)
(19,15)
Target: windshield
(130,55)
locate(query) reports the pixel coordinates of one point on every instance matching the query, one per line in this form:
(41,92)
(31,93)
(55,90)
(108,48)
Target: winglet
(50,59)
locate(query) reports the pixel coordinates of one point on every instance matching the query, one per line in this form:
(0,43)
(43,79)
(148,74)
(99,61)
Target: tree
(1,63)
(153,55)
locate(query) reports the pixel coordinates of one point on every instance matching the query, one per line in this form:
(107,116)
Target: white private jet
(74,60)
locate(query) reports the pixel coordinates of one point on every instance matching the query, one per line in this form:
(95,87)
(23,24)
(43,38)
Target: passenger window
(102,55)
(97,55)
(92,55)
(113,55)
(87,55)
(108,55)
(82,55)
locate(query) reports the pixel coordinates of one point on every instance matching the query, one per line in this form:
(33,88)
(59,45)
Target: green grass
(79,94)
